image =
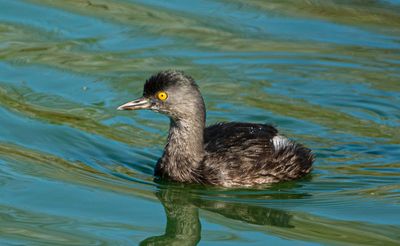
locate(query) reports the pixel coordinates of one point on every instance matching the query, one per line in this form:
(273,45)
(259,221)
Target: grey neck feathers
(184,151)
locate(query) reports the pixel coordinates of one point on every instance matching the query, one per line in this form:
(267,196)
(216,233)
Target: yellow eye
(162,95)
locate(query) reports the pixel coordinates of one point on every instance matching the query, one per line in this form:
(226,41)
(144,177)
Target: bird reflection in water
(183,224)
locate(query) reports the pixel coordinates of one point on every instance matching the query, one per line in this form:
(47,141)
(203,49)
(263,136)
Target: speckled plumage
(225,154)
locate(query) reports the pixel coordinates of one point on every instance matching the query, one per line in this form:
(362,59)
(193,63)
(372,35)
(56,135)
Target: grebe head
(172,93)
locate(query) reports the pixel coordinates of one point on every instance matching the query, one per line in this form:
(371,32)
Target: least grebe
(225,154)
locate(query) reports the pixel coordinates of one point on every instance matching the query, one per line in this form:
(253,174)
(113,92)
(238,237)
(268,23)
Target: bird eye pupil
(162,96)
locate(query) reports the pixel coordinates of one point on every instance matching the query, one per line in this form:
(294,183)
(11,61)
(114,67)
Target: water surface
(74,171)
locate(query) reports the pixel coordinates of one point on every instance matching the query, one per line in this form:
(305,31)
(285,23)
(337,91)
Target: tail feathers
(291,160)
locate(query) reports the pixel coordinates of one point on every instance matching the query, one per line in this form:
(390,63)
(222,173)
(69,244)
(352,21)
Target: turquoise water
(74,171)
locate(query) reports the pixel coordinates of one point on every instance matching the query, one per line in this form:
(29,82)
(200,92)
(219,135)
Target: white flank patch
(280,142)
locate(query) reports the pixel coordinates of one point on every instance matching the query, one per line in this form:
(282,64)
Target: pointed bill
(141,103)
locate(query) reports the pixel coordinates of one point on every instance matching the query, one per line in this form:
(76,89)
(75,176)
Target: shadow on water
(183,224)
(237,209)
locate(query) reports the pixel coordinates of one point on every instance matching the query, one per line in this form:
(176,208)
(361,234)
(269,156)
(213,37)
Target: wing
(248,154)
(224,136)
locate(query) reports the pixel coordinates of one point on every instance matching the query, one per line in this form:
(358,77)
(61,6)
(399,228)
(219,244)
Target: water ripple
(74,171)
